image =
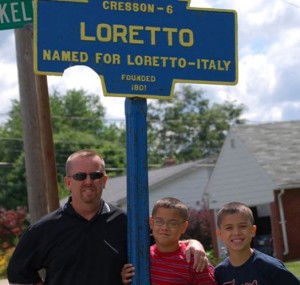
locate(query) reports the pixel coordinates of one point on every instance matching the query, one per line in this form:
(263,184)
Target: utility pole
(49,164)
(35,128)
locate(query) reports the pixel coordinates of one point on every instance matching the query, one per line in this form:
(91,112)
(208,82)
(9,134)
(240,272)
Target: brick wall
(291,205)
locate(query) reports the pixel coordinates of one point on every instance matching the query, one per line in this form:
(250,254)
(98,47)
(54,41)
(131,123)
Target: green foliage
(212,258)
(184,129)
(77,111)
(11,143)
(188,128)
(78,121)
(12,171)
(15,193)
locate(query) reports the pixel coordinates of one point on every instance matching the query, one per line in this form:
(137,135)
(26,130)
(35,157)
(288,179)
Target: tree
(12,170)
(188,128)
(78,121)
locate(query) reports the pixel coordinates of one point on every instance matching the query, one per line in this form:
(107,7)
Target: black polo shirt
(73,250)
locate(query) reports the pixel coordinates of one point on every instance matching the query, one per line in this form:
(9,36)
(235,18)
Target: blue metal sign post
(137,188)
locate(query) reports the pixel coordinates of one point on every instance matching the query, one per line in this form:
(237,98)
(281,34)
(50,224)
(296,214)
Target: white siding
(188,188)
(238,177)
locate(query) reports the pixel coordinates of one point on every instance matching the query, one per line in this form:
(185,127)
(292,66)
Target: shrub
(12,224)
(4,259)
(199,226)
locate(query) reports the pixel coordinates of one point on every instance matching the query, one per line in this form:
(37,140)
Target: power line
(291,3)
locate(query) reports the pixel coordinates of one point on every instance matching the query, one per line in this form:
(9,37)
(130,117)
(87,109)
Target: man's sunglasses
(80,176)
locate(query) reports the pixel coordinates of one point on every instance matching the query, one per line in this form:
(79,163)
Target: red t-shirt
(172,268)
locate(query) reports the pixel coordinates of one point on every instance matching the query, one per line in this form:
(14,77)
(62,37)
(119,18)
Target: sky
(268,65)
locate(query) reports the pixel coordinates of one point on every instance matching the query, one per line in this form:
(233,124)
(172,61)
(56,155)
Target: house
(185,181)
(259,165)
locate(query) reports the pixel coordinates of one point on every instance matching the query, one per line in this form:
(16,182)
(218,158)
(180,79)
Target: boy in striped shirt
(168,222)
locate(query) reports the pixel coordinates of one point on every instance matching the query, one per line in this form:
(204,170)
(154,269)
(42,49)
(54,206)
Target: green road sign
(15,13)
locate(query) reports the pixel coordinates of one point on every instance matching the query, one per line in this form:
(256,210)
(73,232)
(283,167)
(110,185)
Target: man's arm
(20,267)
(195,248)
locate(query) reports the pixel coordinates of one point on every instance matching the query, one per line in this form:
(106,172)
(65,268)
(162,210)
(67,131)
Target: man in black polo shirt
(83,242)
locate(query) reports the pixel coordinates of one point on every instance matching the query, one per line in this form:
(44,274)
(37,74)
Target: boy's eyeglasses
(80,176)
(170,224)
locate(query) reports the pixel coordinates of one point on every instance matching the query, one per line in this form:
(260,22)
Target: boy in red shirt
(168,222)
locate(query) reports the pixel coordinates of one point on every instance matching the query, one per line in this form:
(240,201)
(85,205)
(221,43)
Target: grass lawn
(294,267)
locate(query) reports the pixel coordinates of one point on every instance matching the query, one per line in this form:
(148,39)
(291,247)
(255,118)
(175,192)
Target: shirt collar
(104,207)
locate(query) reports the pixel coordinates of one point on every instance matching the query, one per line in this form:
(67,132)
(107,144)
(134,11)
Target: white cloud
(269,63)
(79,77)
(8,73)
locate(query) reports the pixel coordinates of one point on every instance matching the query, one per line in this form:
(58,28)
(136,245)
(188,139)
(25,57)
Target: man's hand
(127,273)
(195,248)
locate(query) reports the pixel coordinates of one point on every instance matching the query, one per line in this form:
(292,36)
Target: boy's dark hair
(234,208)
(171,203)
